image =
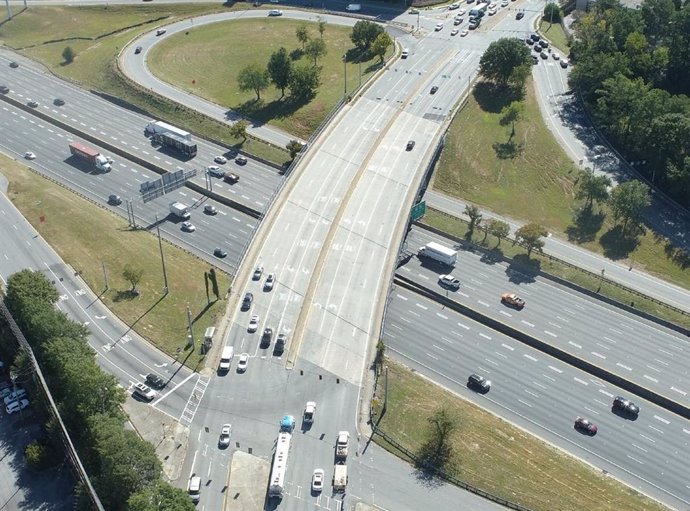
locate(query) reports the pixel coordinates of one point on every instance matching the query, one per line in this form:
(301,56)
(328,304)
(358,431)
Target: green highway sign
(418,210)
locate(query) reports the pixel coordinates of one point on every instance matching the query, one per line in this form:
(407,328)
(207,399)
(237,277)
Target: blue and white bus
(479,10)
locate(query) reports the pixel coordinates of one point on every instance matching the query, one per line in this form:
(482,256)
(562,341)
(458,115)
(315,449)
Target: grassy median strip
(495,456)
(533,180)
(96,34)
(90,239)
(555,34)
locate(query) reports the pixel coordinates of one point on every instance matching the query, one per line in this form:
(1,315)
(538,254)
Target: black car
(544,55)
(219,252)
(410,145)
(155,381)
(33,104)
(247,302)
(433,89)
(137,50)
(537,48)
(529,41)
(519,15)
(535,37)
(543,44)
(266,337)
(14,64)
(58,101)
(625,406)
(115,200)
(241,160)
(4,89)
(478,383)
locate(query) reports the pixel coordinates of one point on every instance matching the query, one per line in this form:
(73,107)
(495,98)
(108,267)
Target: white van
(405,53)
(226,358)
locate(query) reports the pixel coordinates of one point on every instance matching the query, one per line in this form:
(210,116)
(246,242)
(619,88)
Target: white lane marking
(463,326)
(665,421)
(661,362)
(555,369)
(602,346)
(507,314)
(550,333)
(623,366)
(598,355)
(648,438)
(525,403)
(481,334)
(655,429)
(562,319)
(431,356)
(532,393)
(574,344)
(650,378)
(539,385)
(446,340)
(507,347)
(548,377)
(606,393)
(402,297)
(554,325)
(491,362)
(464,295)
(682,392)
(665,352)
(686,431)
(441,315)
(610,340)
(591,410)
(502,355)
(423,307)
(483,303)
(578,380)
(527,323)
(635,459)
(529,357)
(438,347)
(615,331)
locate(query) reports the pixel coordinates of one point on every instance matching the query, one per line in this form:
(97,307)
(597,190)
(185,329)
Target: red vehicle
(512,300)
(584,425)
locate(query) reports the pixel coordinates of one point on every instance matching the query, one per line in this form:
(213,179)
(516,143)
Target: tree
(253,78)
(315,49)
(553,13)
(304,81)
(279,68)
(498,228)
(68,54)
(239,129)
(294,147)
(502,60)
(160,496)
(321,26)
(302,34)
(530,236)
(132,275)
(381,44)
(475,218)
(592,187)
(364,33)
(512,113)
(436,452)
(380,353)
(627,202)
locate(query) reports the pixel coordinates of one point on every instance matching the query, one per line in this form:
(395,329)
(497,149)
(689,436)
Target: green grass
(88,237)
(555,34)
(496,456)
(533,180)
(207,62)
(459,228)
(94,66)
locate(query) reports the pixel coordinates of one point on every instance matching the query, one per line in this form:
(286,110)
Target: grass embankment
(555,34)
(88,237)
(86,29)
(534,181)
(208,61)
(493,455)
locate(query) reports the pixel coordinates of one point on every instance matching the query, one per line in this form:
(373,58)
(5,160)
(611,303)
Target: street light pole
(160,246)
(345,68)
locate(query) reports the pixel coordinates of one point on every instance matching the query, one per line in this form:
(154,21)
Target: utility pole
(191,333)
(160,246)
(345,68)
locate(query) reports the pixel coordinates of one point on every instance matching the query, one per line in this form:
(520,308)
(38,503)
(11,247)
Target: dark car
(58,101)
(625,406)
(529,41)
(219,252)
(433,90)
(241,160)
(32,103)
(155,381)
(519,15)
(535,37)
(535,60)
(410,145)
(137,50)
(543,44)
(247,302)
(478,383)
(4,89)
(544,55)
(160,31)
(231,178)
(537,48)
(266,337)
(115,200)
(585,426)
(14,64)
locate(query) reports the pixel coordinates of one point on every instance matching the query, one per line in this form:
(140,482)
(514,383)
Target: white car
(275,12)
(14,396)
(242,363)
(29,155)
(270,280)
(220,159)
(504,3)
(460,12)
(449,280)
(253,324)
(439,26)
(144,391)
(225,433)
(463,33)
(555,56)
(491,11)
(215,171)
(454,31)
(317,480)
(16,406)
(188,227)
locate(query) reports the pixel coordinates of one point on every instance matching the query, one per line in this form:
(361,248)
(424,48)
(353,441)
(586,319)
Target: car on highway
(253,324)
(32,103)
(454,32)
(241,160)
(625,406)
(585,426)
(188,227)
(454,5)
(137,50)
(220,159)
(410,145)
(247,301)
(160,31)
(478,383)
(512,300)
(14,64)
(504,3)
(58,102)
(155,381)
(281,342)
(266,337)
(474,23)
(225,434)
(210,209)
(270,280)
(219,252)
(449,281)
(275,12)
(439,26)
(114,200)
(460,12)
(464,33)
(215,171)
(519,15)
(29,155)
(491,11)
(16,406)
(317,480)
(144,391)
(433,89)
(413,11)
(258,271)
(231,178)
(242,363)
(194,489)
(457,21)
(4,89)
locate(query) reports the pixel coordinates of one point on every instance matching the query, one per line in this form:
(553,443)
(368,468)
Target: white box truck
(163,127)
(341,445)
(339,478)
(180,210)
(353,7)
(438,252)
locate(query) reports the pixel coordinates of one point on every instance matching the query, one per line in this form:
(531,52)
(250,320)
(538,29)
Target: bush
(68,54)
(39,456)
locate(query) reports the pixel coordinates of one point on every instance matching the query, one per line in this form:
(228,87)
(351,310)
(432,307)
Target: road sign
(418,210)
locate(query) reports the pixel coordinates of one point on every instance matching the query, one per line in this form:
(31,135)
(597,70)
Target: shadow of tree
(507,150)
(128,294)
(493,256)
(296,54)
(587,224)
(523,269)
(618,244)
(278,109)
(679,256)
(493,98)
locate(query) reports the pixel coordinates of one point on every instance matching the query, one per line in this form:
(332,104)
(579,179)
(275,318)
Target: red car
(512,300)
(582,424)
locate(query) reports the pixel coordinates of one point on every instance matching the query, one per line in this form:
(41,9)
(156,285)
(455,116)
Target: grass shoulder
(495,456)
(556,35)
(93,240)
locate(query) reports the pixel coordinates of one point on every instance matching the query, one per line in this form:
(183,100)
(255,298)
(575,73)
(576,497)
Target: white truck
(353,7)
(154,127)
(309,412)
(341,445)
(180,210)
(339,478)
(438,252)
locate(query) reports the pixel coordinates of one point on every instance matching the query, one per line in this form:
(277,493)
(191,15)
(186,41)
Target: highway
(542,395)
(228,229)
(622,343)
(124,129)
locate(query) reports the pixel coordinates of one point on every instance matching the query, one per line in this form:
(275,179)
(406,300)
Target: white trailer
(280,458)
(439,253)
(339,478)
(180,210)
(163,127)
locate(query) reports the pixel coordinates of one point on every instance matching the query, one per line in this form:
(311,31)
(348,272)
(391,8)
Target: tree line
(123,468)
(632,68)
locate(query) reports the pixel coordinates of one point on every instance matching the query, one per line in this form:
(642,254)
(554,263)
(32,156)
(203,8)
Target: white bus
(479,10)
(280,459)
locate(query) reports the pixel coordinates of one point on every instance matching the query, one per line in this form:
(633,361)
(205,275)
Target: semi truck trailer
(163,127)
(175,141)
(93,156)
(438,252)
